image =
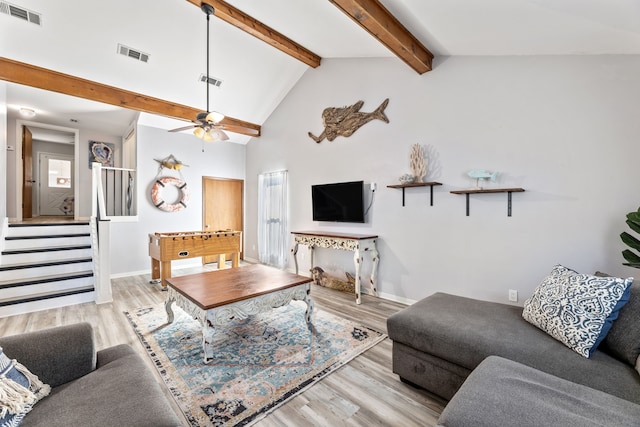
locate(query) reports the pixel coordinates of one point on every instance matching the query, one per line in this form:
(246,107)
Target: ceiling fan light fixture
(30,113)
(199,132)
(217,135)
(215,117)
(207,137)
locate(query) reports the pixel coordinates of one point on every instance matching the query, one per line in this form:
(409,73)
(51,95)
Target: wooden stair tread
(45,279)
(45,249)
(36,264)
(47,224)
(47,236)
(46,295)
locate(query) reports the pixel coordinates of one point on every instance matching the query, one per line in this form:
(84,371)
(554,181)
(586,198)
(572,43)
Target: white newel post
(100,239)
(103,290)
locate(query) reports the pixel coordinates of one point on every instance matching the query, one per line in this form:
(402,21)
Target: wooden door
(223,207)
(27,173)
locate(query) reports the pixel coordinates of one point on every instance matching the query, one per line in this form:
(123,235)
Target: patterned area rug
(259,363)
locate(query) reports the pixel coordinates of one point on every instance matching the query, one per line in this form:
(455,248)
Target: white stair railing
(100,238)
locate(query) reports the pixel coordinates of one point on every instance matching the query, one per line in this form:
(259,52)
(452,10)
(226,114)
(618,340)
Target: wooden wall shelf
(509,191)
(416,184)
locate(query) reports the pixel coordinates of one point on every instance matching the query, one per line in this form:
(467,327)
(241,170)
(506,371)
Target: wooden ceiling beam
(246,23)
(42,78)
(381,24)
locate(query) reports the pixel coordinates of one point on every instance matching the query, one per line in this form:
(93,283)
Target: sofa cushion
(464,331)
(501,392)
(576,309)
(623,339)
(121,392)
(19,390)
(62,353)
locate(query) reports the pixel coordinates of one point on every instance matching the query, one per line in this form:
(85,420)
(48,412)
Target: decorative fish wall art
(346,120)
(482,175)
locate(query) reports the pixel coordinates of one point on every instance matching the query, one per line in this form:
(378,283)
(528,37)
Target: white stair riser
(46,243)
(29,307)
(48,231)
(62,285)
(30,273)
(45,256)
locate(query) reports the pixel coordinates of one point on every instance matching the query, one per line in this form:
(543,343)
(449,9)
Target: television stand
(358,243)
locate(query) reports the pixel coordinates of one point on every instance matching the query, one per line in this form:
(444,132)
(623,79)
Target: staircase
(45,266)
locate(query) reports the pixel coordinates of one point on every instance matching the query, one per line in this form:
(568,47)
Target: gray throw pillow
(623,339)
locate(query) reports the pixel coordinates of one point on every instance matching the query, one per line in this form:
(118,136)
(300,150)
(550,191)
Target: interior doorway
(30,137)
(223,207)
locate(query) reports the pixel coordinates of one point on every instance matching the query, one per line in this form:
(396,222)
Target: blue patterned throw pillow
(576,309)
(19,391)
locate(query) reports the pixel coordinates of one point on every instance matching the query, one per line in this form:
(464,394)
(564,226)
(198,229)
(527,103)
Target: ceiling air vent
(21,13)
(212,80)
(132,53)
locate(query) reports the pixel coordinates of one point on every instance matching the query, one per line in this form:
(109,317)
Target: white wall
(129,241)
(563,128)
(3,148)
(85,136)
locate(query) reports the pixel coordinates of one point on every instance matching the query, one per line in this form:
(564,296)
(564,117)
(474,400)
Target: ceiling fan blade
(184,128)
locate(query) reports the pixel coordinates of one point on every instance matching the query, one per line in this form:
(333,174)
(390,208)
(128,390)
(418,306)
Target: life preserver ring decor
(159,202)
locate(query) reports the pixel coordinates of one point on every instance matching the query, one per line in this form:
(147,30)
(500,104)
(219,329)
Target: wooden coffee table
(216,298)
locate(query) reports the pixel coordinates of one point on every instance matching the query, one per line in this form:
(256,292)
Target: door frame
(20,173)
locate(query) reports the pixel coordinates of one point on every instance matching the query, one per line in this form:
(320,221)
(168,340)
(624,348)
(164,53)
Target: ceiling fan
(207,124)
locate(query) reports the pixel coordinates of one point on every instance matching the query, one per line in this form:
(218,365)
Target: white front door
(55,184)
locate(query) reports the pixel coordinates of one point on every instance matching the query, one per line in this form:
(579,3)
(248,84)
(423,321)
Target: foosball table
(166,247)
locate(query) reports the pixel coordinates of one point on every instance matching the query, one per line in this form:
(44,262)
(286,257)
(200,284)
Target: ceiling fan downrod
(208,10)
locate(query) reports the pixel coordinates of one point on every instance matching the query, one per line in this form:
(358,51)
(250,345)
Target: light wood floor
(47,219)
(365,392)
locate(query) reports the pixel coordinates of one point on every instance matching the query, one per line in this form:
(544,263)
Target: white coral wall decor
(417,162)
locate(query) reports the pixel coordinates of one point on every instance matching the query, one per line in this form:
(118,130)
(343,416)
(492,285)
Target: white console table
(358,243)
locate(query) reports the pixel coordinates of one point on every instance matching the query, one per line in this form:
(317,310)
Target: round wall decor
(160,203)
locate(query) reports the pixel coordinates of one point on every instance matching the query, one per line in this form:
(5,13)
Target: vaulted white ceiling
(80,37)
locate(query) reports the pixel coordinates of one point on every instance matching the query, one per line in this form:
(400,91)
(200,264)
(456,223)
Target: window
(273,218)
(59,172)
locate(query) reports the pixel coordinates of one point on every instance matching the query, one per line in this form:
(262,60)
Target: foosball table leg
(155,271)
(165,273)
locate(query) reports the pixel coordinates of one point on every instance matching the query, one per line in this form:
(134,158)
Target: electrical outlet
(373,186)
(513,295)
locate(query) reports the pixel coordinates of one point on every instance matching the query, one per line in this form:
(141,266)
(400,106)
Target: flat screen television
(339,202)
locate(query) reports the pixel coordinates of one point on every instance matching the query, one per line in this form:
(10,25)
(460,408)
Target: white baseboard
(396,298)
(141,272)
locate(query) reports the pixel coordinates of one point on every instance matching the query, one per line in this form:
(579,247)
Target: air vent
(212,80)
(132,53)
(20,12)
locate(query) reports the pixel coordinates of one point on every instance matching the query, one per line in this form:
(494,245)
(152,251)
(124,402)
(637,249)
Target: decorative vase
(417,162)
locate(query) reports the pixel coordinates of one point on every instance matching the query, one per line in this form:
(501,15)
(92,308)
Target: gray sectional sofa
(439,341)
(110,387)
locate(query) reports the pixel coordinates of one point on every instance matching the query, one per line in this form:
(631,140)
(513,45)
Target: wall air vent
(20,13)
(212,80)
(133,53)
